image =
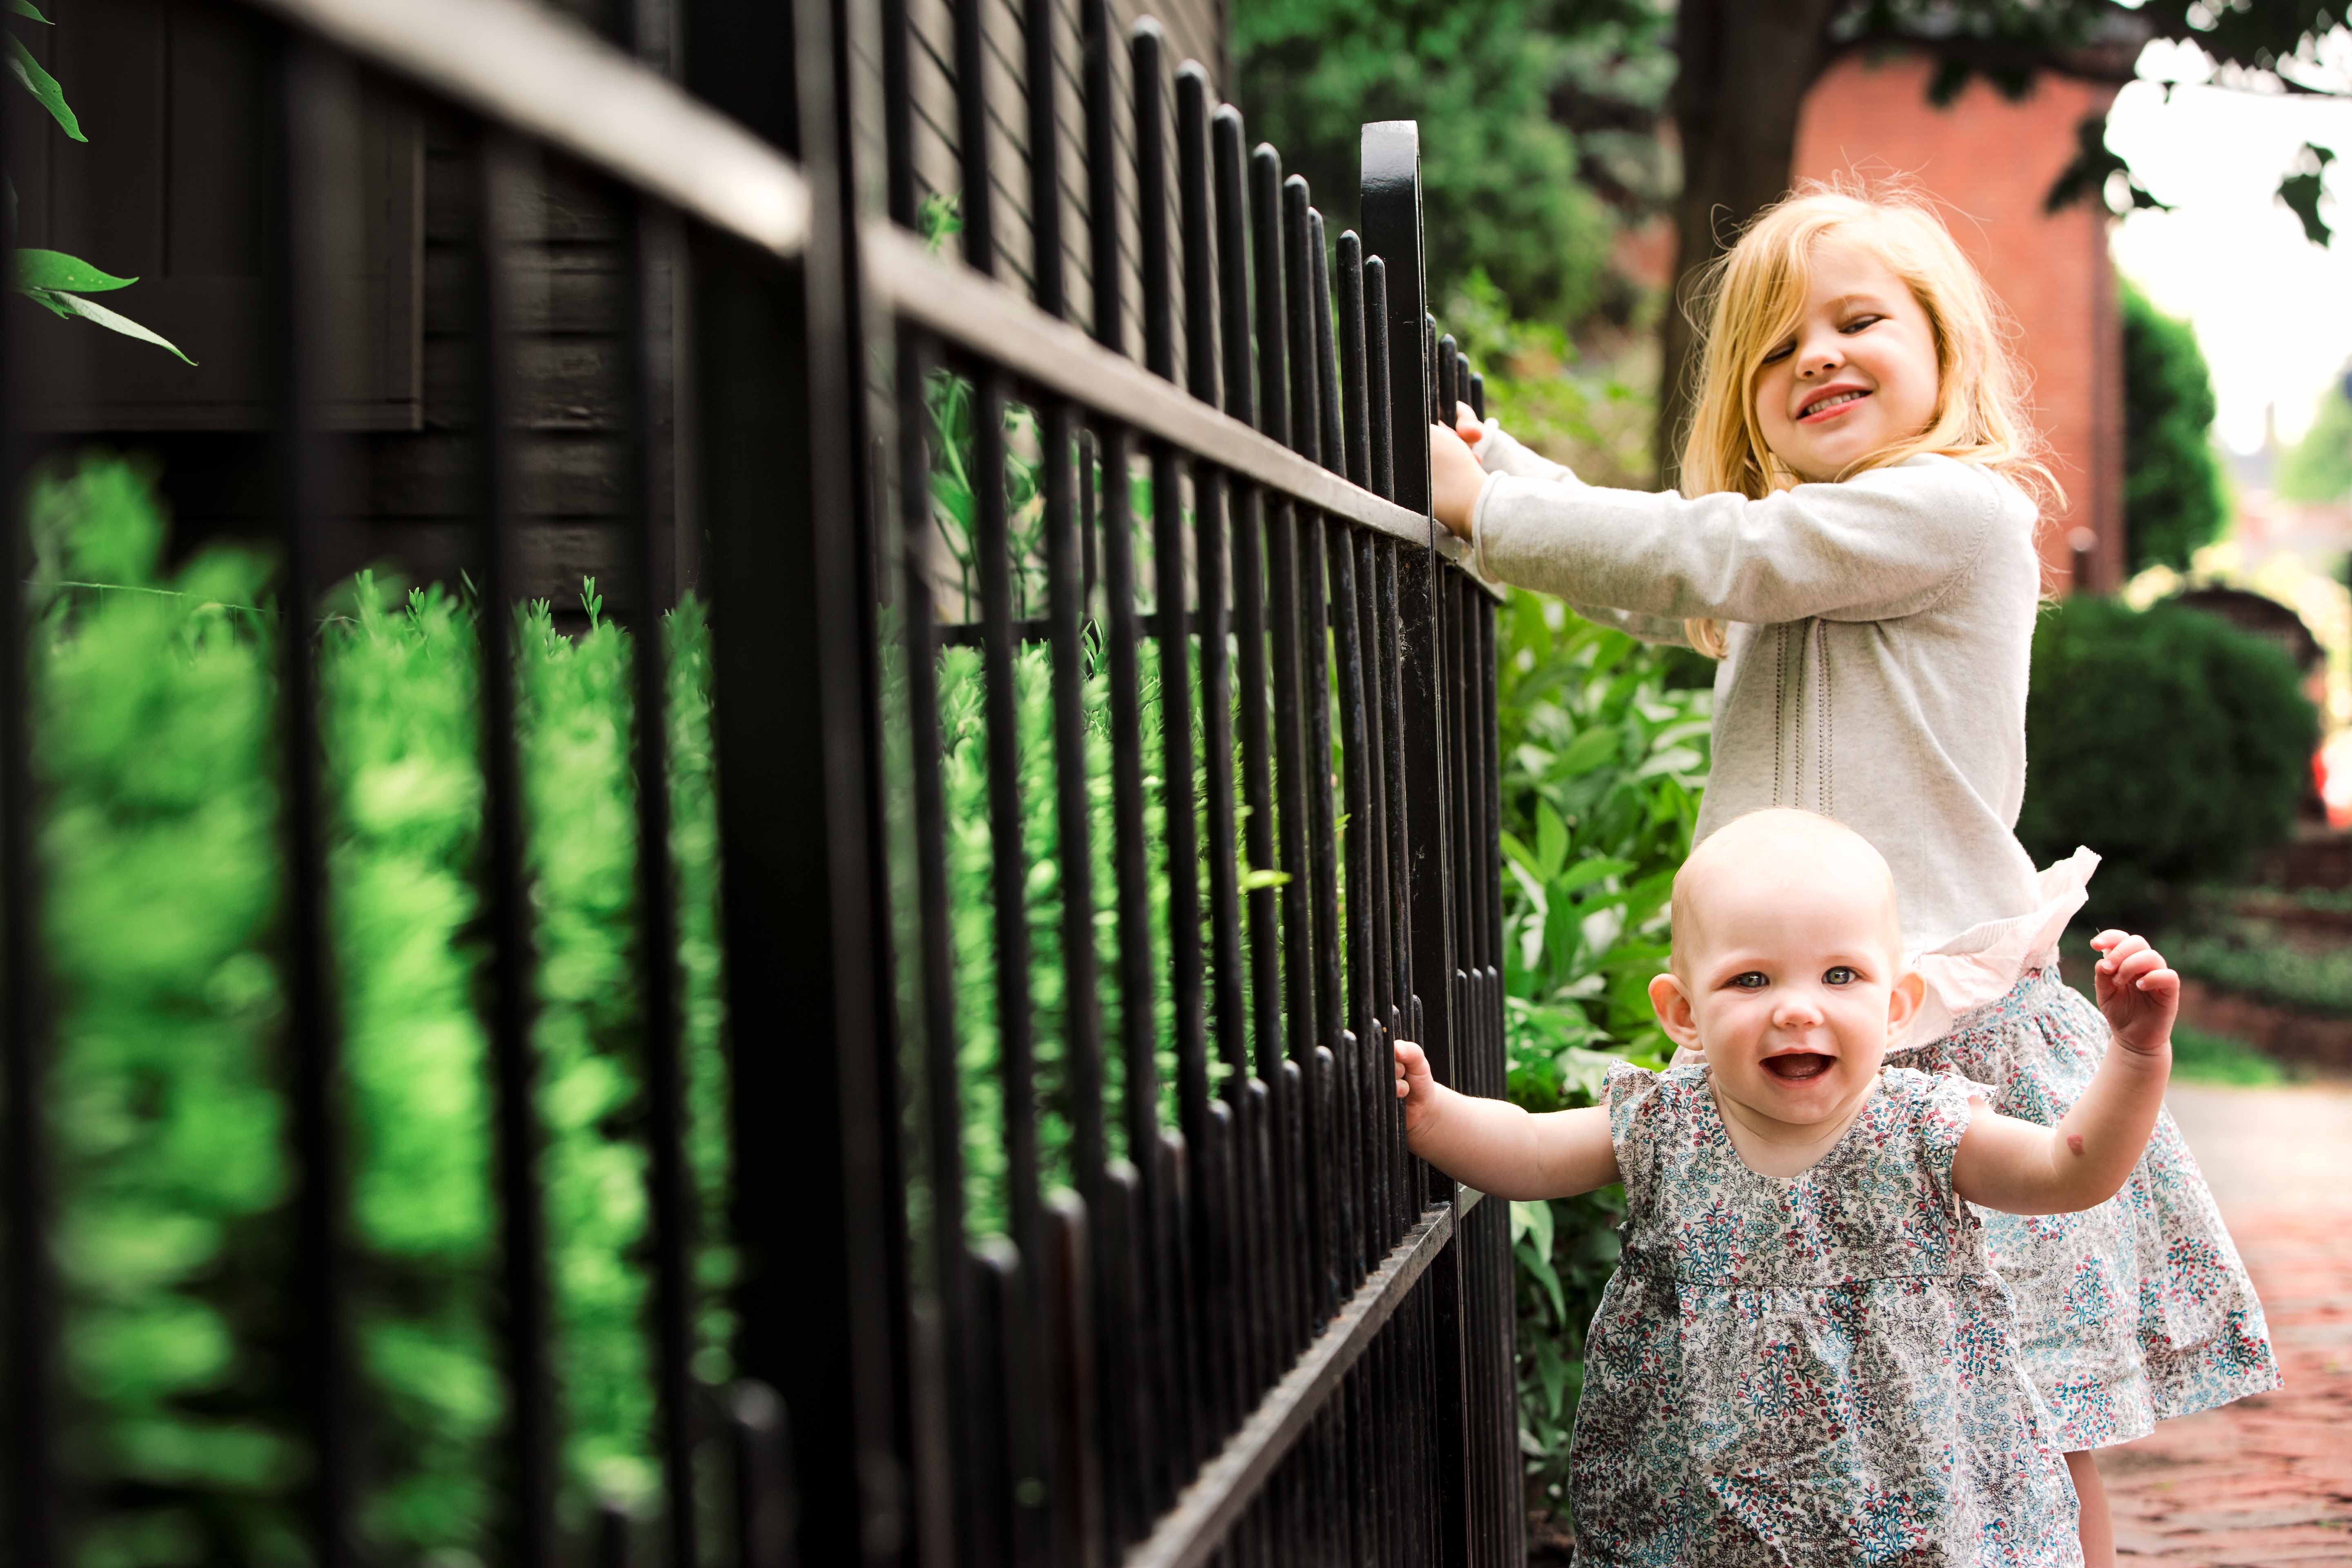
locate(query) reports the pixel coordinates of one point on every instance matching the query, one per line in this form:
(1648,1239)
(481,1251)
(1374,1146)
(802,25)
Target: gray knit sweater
(1879,632)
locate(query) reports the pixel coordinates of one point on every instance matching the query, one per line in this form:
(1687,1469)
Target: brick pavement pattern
(2265,1482)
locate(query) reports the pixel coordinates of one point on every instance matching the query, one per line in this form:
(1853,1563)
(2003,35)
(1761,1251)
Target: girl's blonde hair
(1753,296)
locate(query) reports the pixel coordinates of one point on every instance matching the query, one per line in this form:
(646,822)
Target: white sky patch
(2272,312)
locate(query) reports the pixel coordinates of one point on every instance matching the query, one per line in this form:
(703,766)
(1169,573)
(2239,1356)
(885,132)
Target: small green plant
(1604,760)
(58,283)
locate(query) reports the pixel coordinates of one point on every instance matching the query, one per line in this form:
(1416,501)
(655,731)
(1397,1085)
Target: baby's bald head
(1781,854)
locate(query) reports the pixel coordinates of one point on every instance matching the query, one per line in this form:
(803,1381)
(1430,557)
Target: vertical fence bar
(1192,1242)
(1077,1305)
(669,1206)
(781,370)
(33,1517)
(942,1097)
(1250,534)
(296,141)
(1224,1282)
(1255,1249)
(1297,901)
(526,1324)
(1391,207)
(1257,753)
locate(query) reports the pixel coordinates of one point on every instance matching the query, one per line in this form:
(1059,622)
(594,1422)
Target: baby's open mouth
(1798,1067)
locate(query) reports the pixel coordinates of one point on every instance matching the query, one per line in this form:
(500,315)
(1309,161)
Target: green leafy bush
(2174,498)
(156,735)
(1604,759)
(2167,740)
(2257,958)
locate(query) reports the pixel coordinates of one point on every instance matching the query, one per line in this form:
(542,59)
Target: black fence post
(816,1206)
(1392,231)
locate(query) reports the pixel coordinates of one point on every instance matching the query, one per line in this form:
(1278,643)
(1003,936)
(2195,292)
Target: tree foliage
(1509,184)
(2175,500)
(1745,66)
(2318,468)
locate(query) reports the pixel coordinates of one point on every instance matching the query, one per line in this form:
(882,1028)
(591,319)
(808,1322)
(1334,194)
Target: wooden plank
(571,383)
(556,289)
(430,476)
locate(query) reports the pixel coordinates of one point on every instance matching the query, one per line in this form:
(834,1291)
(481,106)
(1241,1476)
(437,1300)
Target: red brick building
(1989,163)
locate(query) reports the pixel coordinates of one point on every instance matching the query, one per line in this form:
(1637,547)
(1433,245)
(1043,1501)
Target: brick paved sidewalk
(2266,1483)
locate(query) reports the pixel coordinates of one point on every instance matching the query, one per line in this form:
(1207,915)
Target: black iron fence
(1069,1221)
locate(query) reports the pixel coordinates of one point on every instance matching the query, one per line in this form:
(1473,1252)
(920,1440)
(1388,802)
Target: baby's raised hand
(2139,994)
(1415,1085)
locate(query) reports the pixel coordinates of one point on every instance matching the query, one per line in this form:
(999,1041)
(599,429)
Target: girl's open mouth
(1843,402)
(1798,1067)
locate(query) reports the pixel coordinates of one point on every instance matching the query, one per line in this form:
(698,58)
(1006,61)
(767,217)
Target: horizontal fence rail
(995,1083)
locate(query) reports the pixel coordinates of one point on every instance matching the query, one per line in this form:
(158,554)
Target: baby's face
(1793,984)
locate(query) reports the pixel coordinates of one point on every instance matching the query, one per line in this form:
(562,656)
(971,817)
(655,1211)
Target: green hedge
(2174,744)
(155,734)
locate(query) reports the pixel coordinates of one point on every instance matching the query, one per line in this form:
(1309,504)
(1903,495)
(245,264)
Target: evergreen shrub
(2166,739)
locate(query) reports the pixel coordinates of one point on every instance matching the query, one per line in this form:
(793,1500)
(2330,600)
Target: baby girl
(1805,1356)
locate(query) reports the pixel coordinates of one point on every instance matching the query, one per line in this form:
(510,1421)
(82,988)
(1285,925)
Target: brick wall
(1989,164)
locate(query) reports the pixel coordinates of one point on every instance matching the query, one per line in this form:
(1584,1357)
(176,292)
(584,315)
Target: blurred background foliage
(156,695)
(2176,499)
(2173,744)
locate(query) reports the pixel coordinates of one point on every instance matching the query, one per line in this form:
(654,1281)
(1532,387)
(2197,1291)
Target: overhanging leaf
(39,268)
(43,87)
(113,322)
(26,8)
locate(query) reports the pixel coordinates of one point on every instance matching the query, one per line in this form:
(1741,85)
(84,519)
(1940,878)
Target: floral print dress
(2137,1311)
(1810,1370)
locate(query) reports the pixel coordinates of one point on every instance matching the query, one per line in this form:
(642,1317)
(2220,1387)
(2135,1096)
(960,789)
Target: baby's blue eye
(1839,974)
(1860,323)
(1752,981)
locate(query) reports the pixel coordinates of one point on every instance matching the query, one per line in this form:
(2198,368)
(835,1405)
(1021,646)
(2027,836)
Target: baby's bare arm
(1496,1147)
(2019,1168)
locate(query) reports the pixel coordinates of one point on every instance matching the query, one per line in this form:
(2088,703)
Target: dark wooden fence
(1228,1318)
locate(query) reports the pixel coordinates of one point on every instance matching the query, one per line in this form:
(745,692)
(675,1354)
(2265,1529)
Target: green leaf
(43,87)
(1584,873)
(1588,751)
(115,322)
(1264,877)
(55,270)
(1551,840)
(1552,1368)
(47,301)
(26,8)
(1533,1220)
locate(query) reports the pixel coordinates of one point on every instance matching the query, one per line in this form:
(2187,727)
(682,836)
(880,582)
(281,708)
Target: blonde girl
(1857,548)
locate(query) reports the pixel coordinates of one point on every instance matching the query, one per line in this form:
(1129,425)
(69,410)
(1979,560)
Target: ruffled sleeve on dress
(1980,965)
(1943,1117)
(1636,1105)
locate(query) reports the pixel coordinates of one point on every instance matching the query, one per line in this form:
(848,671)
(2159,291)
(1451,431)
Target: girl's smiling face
(1857,375)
